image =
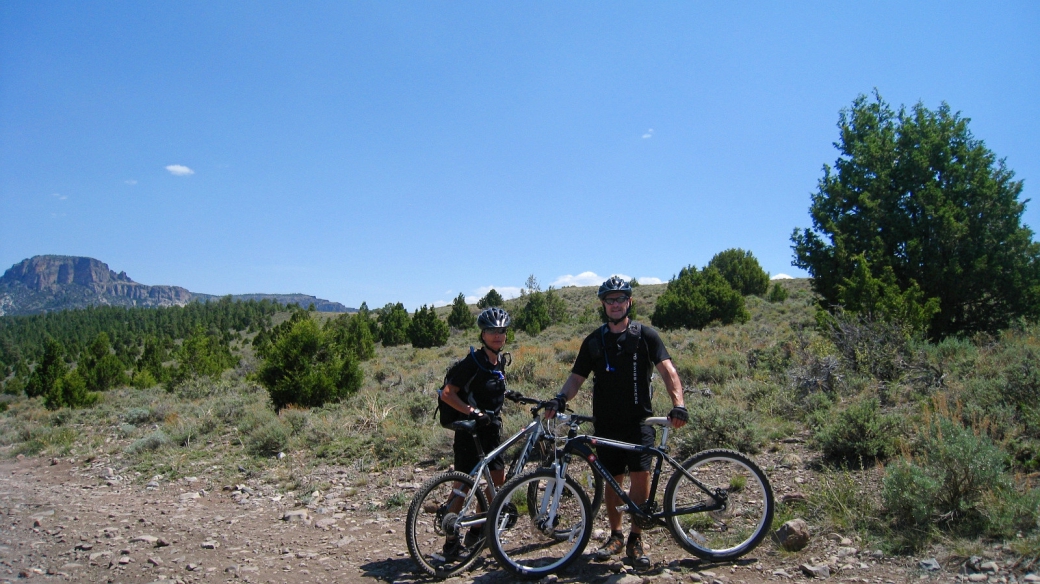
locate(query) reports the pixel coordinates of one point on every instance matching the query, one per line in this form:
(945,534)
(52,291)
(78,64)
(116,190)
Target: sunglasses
(615,300)
(498,330)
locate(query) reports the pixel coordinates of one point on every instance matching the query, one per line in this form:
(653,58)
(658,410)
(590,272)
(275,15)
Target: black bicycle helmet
(493,317)
(614,284)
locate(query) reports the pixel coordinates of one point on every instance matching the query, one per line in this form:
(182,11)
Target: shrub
(426,330)
(139,416)
(867,344)
(742,271)
(954,469)
(461,318)
(713,425)
(909,493)
(858,434)
(268,439)
(306,369)
(153,441)
(695,299)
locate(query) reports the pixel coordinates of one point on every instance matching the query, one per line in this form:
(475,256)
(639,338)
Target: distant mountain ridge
(48,283)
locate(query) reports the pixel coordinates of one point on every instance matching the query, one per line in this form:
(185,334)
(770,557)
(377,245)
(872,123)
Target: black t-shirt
(482,384)
(623,366)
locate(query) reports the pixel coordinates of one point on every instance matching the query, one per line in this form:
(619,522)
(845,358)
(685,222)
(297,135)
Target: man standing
(623,354)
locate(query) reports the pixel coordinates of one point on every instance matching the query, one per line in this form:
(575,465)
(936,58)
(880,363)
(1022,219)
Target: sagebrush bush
(149,443)
(715,425)
(858,434)
(951,472)
(268,439)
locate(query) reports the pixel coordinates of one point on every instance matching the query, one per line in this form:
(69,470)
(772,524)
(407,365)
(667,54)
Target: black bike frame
(581,446)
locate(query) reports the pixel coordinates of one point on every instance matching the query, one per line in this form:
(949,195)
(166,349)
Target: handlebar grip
(657,421)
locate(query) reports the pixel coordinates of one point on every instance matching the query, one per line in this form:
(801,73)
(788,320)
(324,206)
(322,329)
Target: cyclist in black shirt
(476,386)
(623,354)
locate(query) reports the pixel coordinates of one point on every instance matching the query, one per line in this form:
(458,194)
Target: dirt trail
(80,521)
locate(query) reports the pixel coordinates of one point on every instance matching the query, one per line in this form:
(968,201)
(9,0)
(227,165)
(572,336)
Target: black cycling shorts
(617,461)
(466,456)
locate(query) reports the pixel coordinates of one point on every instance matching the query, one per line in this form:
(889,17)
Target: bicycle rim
(735,529)
(525,543)
(440,509)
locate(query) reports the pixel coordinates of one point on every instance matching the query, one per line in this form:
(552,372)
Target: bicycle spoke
(533,533)
(435,519)
(731,517)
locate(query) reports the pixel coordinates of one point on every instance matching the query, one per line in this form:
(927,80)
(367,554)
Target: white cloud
(439,303)
(650,280)
(179,170)
(782,277)
(649,134)
(582,279)
(59,196)
(131,181)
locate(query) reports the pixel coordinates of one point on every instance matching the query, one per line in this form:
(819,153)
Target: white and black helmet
(493,317)
(614,284)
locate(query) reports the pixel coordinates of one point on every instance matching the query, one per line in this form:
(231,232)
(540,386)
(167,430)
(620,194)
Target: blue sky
(411,151)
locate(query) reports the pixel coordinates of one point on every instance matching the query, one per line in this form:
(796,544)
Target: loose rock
(793,535)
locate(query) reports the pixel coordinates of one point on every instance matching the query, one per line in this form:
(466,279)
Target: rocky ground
(87,521)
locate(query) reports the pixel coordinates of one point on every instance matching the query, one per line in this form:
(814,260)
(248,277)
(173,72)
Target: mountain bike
(718,505)
(449,506)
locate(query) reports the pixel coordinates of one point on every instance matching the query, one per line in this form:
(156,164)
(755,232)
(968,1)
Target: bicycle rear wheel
(526,543)
(739,489)
(439,510)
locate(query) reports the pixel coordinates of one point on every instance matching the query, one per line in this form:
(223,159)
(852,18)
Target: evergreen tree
(99,368)
(393,325)
(491,299)
(201,355)
(916,197)
(70,392)
(151,361)
(351,334)
(777,293)
(556,307)
(461,318)
(366,317)
(426,330)
(742,271)
(49,370)
(695,299)
(534,317)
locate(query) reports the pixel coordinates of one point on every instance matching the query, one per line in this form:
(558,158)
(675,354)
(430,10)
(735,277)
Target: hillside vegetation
(914,441)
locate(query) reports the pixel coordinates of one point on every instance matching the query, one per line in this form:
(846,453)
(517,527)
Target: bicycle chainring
(647,523)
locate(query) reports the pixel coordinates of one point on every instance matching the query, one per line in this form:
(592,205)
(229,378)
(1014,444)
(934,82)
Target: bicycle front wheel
(446,509)
(527,542)
(725,516)
(590,482)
